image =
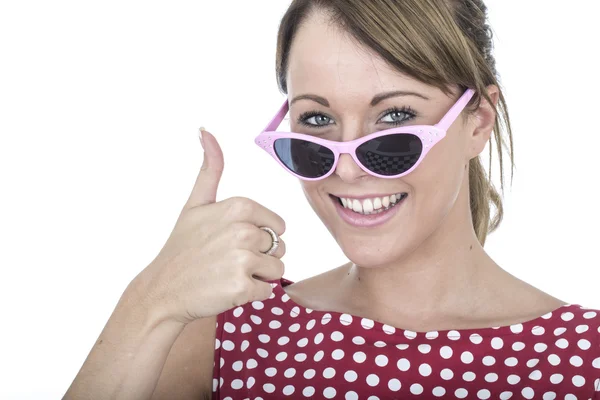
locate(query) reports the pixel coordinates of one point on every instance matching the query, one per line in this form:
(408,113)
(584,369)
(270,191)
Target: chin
(374,252)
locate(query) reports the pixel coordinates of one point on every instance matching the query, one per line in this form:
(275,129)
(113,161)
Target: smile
(368,211)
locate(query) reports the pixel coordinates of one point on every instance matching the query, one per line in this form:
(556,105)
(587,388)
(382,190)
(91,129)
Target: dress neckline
(535,326)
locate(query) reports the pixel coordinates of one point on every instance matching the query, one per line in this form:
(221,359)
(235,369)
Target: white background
(100,103)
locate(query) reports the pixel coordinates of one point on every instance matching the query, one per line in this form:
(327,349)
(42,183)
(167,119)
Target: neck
(449,274)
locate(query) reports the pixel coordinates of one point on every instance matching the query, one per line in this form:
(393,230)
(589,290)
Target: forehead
(327,60)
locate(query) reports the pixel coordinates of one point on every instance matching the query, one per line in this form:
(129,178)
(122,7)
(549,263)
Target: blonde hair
(438,42)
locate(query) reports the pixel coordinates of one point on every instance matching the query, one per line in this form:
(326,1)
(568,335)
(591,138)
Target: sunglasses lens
(391,154)
(307,159)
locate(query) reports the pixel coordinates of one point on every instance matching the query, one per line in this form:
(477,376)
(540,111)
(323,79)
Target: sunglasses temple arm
(455,111)
(276,121)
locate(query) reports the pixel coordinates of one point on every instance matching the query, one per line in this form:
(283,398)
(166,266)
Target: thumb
(207,182)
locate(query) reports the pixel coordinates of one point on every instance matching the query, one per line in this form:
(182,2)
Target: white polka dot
(281,356)
(527,392)
(415,388)
(329,392)
(581,328)
(381,360)
(351,395)
(288,390)
(337,354)
(358,340)
(432,335)
(511,361)
(250,382)
(516,328)
(302,342)
(549,396)
(394,385)
(277,310)
(319,338)
(308,391)
(559,331)
(424,348)
(264,338)
(567,316)
(328,373)
(228,345)
(425,369)
(271,371)
(238,311)
(256,319)
(554,359)
(491,377)
(483,394)
(262,352)
(251,363)
(295,311)
(325,319)
(576,361)
(294,328)
(513,379)
(237,366)
(309,373)
(311,324)
(540,347)
(390,330)
(289,373)
(367,323)
(597,384)
(536,375)
(533,362)
(246,328)
(222,362)
(446,352)
(438,391)
(476,338)
(402,346)
(345,319)
(285,298)
(217,343)
(461,393)
(584,344)
(505,395)
(556,378)
(578,380)
(379,344)
(469,376)
(269,387)
(300,357)
(359,357)
(350,376)
(403,364)
(466,357)
(258,305)
(274,324)
(589,314)
(518,346)
(562,343)
(596,363)
(488,360)
(538,330)
(337,336)
(319,355)
(283,340)
(237,384)
(446,374)
(372,380)
(229,327)
(497,343)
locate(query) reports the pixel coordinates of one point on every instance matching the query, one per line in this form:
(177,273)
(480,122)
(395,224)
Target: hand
(213,259)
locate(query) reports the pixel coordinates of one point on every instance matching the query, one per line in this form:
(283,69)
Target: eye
(398,115)
(314,119)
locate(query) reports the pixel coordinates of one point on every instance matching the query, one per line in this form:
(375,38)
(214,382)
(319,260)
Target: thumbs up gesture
(215,258)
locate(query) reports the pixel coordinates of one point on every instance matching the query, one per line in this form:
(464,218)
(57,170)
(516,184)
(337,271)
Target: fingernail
(200,136)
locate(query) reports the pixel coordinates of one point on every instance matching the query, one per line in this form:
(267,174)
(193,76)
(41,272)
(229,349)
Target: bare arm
(128,357)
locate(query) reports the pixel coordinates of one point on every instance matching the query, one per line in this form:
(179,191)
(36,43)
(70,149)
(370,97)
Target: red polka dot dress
(277,349)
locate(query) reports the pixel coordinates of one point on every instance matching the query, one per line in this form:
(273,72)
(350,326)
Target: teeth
(371,206)
(377,203)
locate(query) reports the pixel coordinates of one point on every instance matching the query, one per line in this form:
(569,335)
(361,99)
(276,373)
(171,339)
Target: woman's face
(327,63)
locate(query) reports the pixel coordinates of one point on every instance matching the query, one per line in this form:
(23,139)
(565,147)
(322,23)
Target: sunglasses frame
(429,135)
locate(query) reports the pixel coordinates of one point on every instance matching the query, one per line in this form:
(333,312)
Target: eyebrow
(376,100)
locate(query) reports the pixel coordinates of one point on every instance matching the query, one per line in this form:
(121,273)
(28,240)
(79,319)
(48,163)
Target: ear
(484,119)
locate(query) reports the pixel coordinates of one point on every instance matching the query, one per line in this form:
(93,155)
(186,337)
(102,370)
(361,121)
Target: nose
(348,170)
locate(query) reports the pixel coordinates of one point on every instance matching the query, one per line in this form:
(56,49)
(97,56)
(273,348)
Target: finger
(207,182)
(242,209)
(266,242)
(267,268)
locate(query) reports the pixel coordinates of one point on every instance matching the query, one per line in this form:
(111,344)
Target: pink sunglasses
(390,153)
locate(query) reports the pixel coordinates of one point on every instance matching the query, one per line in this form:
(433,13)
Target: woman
(391,104)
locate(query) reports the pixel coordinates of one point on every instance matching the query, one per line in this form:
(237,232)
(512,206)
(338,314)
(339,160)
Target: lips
(372,218)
